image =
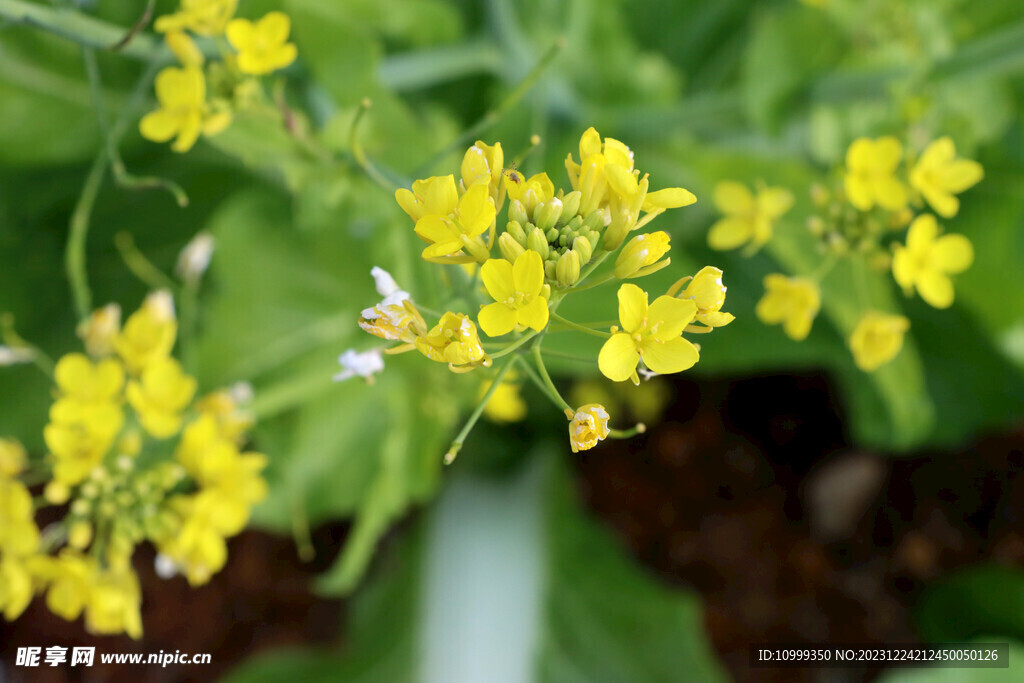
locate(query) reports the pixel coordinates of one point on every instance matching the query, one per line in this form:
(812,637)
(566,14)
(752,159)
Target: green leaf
(985,602)
(605,619)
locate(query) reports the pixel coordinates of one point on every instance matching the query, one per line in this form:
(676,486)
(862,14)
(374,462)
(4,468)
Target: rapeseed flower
(262,46)
(588,424)
(183,113)
(749,218)
(870,176)
(792,301)
(877,338)
(707,291)
(939,175)
(519,293)
(927,261)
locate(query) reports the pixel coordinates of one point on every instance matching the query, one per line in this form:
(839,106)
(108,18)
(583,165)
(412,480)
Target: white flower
(356,364)
(194,259)
(14,356)
(386,285)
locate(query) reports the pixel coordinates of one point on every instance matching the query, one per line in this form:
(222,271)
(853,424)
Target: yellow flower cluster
(186,111)
(113,462)
(880,191)
(552,244)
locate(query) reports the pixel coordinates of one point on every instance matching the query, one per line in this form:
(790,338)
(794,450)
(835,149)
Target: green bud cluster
(565,240)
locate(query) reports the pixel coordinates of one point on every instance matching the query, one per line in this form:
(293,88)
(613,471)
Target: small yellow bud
(80,535)
(509,247)
(546,215)
(56,493)
(642,252)
(12,457)
(567,269)
(538,242)
(583,247)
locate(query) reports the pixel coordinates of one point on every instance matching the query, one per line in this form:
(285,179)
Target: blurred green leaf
(984,603)
(962,675)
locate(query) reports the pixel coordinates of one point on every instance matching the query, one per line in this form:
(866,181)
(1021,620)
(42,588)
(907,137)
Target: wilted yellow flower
(100,330)
(877,339)
(794,302)
(748,218)
(587,426)
(159,396)
(12,457)
(939,175)
(449,224)
(648,332)
(708,292)
(113,604)
(149,333)
(641,255)
(395,318)
(870,176)
(519,292)
(205,17)
(262,46)
(453,340)
(927,261)
(183,113)
(15,587)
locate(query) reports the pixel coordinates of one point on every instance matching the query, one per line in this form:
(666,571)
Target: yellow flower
(794,302)
(184,48)
(262,46)
(506,403)
(877,339)
(205,17)
(482,165)
(707,291)
(79,435)
(453,340)
(587,426)
(19,535)
(395,318)
(537,190)
(80,381)
(651,333)
(748,218)
(224,406)
(870,177)
(149,333)
(448,223)
(113,603)
(15,587)
(12,457)
(100,330)
(641,255)
(183,113)
(519,292)
(939,175)
(927,261)
(160,395)
(69,577)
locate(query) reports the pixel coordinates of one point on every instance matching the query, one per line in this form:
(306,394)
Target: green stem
(140,266)
(494,115)
(546,378)
(360,155)
(578,327)
(300,530)
(568,356)
(591,267)
(604,279)
(453,450)
(531,372)
(514,345)
(640,428)
(78,230)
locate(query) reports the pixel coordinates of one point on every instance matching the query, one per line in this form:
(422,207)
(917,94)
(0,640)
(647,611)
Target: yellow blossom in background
(262,46)
(12,457)
(113,603)
(204,17)
(870,176)
(149,333)
(749,218)
(16,588)
(793,302)
(927,261)
(939,175)
(99,331)
(453,340)
(183,113)
(506,403)
(19,535)
(184,48)
(652,333)
(641,255)
(708,292)
(79,435)
(587,425)
(877,338)
(160,395)
(519,292)
(81,381)
(447,222)
(69,578)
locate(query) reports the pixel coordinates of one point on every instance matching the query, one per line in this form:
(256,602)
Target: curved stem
(591,267)
(78,230)
(604,279)
(140,266)
(546,379)
(639,428)
(360,155)
(578,327)
(568,356)
(514,345)
(453,450)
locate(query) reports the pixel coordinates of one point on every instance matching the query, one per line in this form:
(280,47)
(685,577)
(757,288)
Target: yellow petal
(730,232)
(890,193)
(159,126)
(590,143)
(959,175)
(621,180)
(774,201)
(669,198)
(860,154)
(671,315)
(434,228)
(476,210)
(618,357)
(733,198)
(274,27)
(528,273)
(904,270)
(859,191)
(944,203)
(498,278)
(497,319)
(632,306)
(671,356)
(936,288)
(439,194)
(887,153)
(953,253)
(241,33)
(922,233)
(534,314)
(191,128)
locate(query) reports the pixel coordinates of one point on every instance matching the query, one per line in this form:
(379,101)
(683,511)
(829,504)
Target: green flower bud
(549,270)
(576,224)
(517,212)
(551,234)
(547,214)
(515,228)
(509,247)
(594,221)
(571,204)
(567,271)
(538,242)
(582,246)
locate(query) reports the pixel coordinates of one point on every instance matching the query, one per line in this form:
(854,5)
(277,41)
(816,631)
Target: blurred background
(779,495)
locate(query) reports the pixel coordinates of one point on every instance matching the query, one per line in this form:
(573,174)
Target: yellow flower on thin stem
(160,395)
(183,113)
(652,333)
(149,332)
(452,226)
(81,381)
(483,164)
(749,218)
(870,176)
(939,175)
(927,261)
(453,340)
(708,292)
(794,302)
(587,425)
(641,255)
(519,293)
(262,46)
(877,339)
